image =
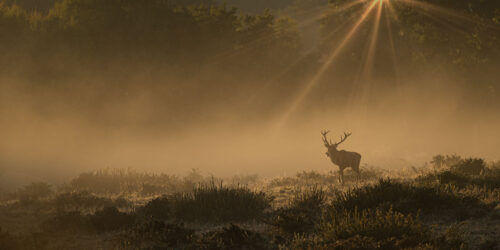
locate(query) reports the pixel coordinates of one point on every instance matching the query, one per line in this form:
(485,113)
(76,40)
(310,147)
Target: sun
(374,12)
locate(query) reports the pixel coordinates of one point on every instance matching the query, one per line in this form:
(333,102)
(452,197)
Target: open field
(105,106)
(435,207)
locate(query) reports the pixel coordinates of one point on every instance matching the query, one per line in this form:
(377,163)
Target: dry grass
(416,208)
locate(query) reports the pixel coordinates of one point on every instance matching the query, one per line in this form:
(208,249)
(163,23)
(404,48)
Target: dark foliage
(68,222)
(233,237)
(376,224)
(7,241)
(405,198)
(110,219)
(465,172)
(218,203)
(157,209)
(458,180)
(35,191)
(85,201)
(158,235)
(303,215)
(470,166)
(104,220)
(375,229)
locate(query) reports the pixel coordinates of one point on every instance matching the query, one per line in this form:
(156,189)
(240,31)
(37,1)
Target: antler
(325,140)
(344,138)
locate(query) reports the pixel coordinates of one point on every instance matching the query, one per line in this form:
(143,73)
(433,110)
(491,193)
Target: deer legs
(341,176)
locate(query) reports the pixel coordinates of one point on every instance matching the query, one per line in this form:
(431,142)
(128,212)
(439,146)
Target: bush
(107,219)
(149,189)
(8,241)
(375,229)
(72,221)
(375,224)
(302,215)
(448,177)
(156,209)
(471,166)
(110,219)
(158,235)
(233,237)
(210,203)
(85,201)
(218,204)
(403,197)
(35,191)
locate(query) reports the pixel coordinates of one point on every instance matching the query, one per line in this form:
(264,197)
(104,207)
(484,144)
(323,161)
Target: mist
(63,113)
(52,139)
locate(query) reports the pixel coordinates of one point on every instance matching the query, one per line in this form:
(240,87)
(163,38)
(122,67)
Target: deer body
(343,159)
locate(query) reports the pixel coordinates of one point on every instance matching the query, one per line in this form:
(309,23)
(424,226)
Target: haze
(63,114)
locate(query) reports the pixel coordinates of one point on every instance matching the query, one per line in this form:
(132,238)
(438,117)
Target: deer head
(329,144)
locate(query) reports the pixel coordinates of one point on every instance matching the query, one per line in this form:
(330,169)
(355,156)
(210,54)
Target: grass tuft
(404,198)
(302,215)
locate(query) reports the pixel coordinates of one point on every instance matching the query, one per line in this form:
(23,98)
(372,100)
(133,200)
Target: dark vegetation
(210,203)
(431,211)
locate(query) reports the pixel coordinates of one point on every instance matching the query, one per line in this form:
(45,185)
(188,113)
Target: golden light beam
(314,80)
(428,7)
(300,59)
(392,11)
(264,36)
(393,55)
(442,21)
(330,12)
(373,42)
(363,91)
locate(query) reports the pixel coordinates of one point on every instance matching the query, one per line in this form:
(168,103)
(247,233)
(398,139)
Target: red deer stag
(342,158)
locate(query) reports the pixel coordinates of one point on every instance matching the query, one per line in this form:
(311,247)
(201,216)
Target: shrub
(217,203)
(375,229)
(233,237)
(471,166)
(35,191)
(156,209)
(302,215)
(449,177)
(85,201)
(368,229)
(109,219)
(402,197)
(158,235)
(376,224)
(8,241)
(150,189)
(487,180)
(72,221)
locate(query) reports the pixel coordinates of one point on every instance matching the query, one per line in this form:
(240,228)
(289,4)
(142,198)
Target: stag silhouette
(343,159)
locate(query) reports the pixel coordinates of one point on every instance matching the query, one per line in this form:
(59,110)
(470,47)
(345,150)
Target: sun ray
(428,7)
(292,65)
(373,42)
(394,58)
(314,80)
(445,22)
(262,36)
(361,94)
(391,9)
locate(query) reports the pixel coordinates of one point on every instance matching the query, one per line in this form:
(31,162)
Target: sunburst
(448,18)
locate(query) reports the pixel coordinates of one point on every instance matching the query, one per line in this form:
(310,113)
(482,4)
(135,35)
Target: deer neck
(333,150)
